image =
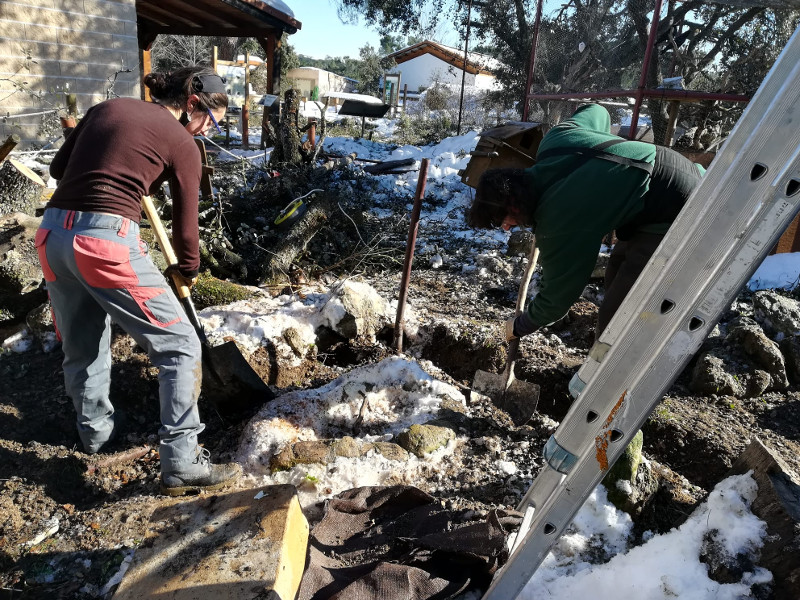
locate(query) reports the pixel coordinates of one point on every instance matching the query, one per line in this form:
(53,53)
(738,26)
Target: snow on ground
(667,566)
(779,271)
(399,393)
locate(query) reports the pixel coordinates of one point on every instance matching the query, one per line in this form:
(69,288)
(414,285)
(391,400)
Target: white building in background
(427,63)
(308,79)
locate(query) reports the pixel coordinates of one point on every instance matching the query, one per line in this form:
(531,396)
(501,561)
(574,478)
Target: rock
(390,451)
(519,243)
(324,452)
(710,376)
(283,460)
(621,478)
(294,339)
(777,314)
(765,353)
(424,439)
(40,323)
(356,310)
(347,447)
(790,346)
(745,364)
(312,452)
(20,273)
(488,263)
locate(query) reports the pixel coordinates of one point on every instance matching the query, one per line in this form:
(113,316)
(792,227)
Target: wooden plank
(778,504)
(241,544)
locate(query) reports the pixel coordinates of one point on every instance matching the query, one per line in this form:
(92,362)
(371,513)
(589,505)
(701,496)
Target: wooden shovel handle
(533,258)
(513,345)
(166,247)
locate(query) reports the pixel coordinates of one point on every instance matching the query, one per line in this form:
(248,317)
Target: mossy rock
(424,439)
(624,469)
(210,291)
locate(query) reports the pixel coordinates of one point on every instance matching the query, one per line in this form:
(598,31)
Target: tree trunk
(20,188)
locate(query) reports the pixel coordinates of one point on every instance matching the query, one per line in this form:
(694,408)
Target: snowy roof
(476,63)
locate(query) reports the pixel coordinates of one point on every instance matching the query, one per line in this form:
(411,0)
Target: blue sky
(323,34)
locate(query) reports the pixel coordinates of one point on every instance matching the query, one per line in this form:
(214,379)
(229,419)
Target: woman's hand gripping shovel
(517,398)
(228,379)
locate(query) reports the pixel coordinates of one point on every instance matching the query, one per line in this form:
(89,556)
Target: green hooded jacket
(576,202)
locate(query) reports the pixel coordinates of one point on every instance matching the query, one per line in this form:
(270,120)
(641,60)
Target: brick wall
(50,46)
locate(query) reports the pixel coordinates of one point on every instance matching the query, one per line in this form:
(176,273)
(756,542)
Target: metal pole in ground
(410,244)
(464,72)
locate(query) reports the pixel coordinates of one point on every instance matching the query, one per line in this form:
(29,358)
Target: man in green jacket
(586,183)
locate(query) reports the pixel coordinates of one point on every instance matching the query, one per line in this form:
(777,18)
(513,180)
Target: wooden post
(271,44)
(8,146)
(206,189)
(673,120)
(405,97)
(246,104)
(147,67)
(214,58)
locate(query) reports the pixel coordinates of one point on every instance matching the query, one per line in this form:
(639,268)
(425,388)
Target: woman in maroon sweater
(98,270)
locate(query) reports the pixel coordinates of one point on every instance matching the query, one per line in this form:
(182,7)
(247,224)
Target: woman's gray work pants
(97,270)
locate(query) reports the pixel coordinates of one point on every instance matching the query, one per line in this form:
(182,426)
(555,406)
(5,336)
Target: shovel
(517,398)
(228,379)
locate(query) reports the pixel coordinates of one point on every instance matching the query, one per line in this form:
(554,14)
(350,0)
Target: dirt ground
(67,520)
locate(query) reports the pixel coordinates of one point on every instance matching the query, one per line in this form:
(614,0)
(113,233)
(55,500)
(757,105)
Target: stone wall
(51,47)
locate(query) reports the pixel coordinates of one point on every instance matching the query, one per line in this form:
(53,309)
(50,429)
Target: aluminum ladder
(733,219)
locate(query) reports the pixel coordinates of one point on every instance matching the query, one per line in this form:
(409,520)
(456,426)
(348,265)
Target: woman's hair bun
(157,82)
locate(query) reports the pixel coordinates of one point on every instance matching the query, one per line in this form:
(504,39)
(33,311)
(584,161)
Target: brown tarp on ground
(379,543)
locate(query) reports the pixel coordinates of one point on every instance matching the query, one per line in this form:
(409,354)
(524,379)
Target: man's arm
(567,263)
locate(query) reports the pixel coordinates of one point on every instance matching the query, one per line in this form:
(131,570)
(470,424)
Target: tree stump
(20,274)
(778,504)
(287,142)
(20,188)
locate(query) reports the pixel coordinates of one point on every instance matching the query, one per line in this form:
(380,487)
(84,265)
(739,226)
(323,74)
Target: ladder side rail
(746,229)
(650,386)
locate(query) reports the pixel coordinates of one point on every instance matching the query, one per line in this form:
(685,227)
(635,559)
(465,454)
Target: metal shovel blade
(230,381)
(518,400)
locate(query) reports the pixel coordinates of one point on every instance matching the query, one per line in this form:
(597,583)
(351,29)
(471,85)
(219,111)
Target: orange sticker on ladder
(601,441)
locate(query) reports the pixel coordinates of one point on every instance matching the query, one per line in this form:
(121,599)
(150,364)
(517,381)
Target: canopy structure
(229,18)
(265,20)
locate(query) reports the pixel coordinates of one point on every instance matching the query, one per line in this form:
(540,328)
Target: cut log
(20,188)
(20,274)
(248,543)
(392,166)
(296,240)
(777,504)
